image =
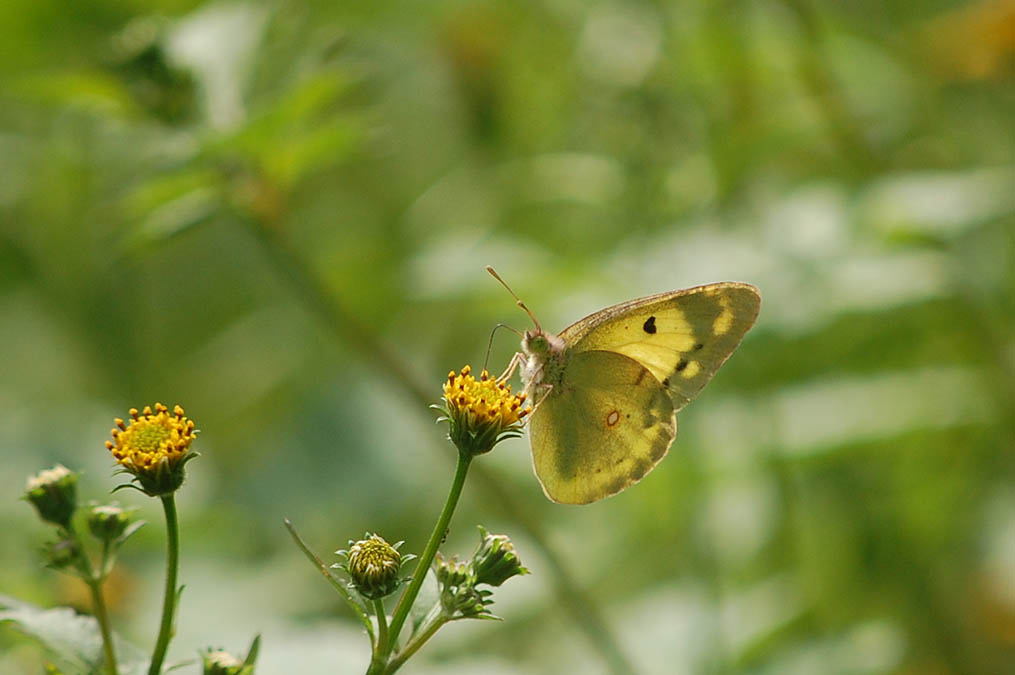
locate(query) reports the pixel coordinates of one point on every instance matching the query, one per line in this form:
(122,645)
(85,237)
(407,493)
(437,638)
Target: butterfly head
(540,348)
(540,345)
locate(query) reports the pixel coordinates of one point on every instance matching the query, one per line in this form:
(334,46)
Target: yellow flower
(154,446)
(481,412)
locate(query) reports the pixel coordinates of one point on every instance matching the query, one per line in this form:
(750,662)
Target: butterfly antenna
(521,304)
(489,347)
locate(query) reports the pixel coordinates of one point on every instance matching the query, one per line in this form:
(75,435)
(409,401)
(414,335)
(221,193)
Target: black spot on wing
(698,346)
(650,325)
(681,365)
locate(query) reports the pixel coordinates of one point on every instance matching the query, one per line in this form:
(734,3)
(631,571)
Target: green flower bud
(496,561)
(62,554)
(458,593)
(374,566)
(221,662)
(453,573)
(108,522)
(53,493)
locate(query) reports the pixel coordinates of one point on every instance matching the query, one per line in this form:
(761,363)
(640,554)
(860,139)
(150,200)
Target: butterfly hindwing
(604,424)
(681,337)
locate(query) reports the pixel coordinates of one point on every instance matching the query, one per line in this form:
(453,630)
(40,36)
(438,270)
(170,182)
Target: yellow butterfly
(608,388)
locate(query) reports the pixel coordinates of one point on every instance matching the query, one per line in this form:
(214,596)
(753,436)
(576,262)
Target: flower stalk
(381,648)
(102,616)
(425,560)
(169,598)
(94,578)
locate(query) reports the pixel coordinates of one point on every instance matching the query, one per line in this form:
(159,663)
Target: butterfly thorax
(544,359)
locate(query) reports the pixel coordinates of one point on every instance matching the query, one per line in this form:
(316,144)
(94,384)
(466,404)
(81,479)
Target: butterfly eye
(537,344)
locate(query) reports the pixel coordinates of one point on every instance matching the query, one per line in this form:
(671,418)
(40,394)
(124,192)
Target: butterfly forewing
(681,337)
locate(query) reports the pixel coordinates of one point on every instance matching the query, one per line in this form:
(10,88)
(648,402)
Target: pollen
(151,437)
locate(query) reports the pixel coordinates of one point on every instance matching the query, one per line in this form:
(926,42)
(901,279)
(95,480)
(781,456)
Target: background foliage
(277,214)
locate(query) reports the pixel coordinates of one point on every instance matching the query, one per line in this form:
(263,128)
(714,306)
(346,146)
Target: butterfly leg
(542,392)
(512,365)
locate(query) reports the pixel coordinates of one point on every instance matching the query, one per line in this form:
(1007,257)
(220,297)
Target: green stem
(423,565)
(382,626)
(381,648)
(169,600)
(414,644)
(102,616)
(94,578)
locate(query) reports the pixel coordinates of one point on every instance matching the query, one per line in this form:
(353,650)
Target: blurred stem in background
(817,78)
(102,616)
(338,319)
(94,578)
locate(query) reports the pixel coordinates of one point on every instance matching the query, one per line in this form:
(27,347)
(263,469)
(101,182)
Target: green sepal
(251,657)
(165,480)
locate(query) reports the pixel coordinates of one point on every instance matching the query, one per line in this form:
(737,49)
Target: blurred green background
(277,215)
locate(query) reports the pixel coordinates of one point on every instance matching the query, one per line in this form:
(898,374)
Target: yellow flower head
(153,446)
(481,412)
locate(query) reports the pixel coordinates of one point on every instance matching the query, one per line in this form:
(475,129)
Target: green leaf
(71,640)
